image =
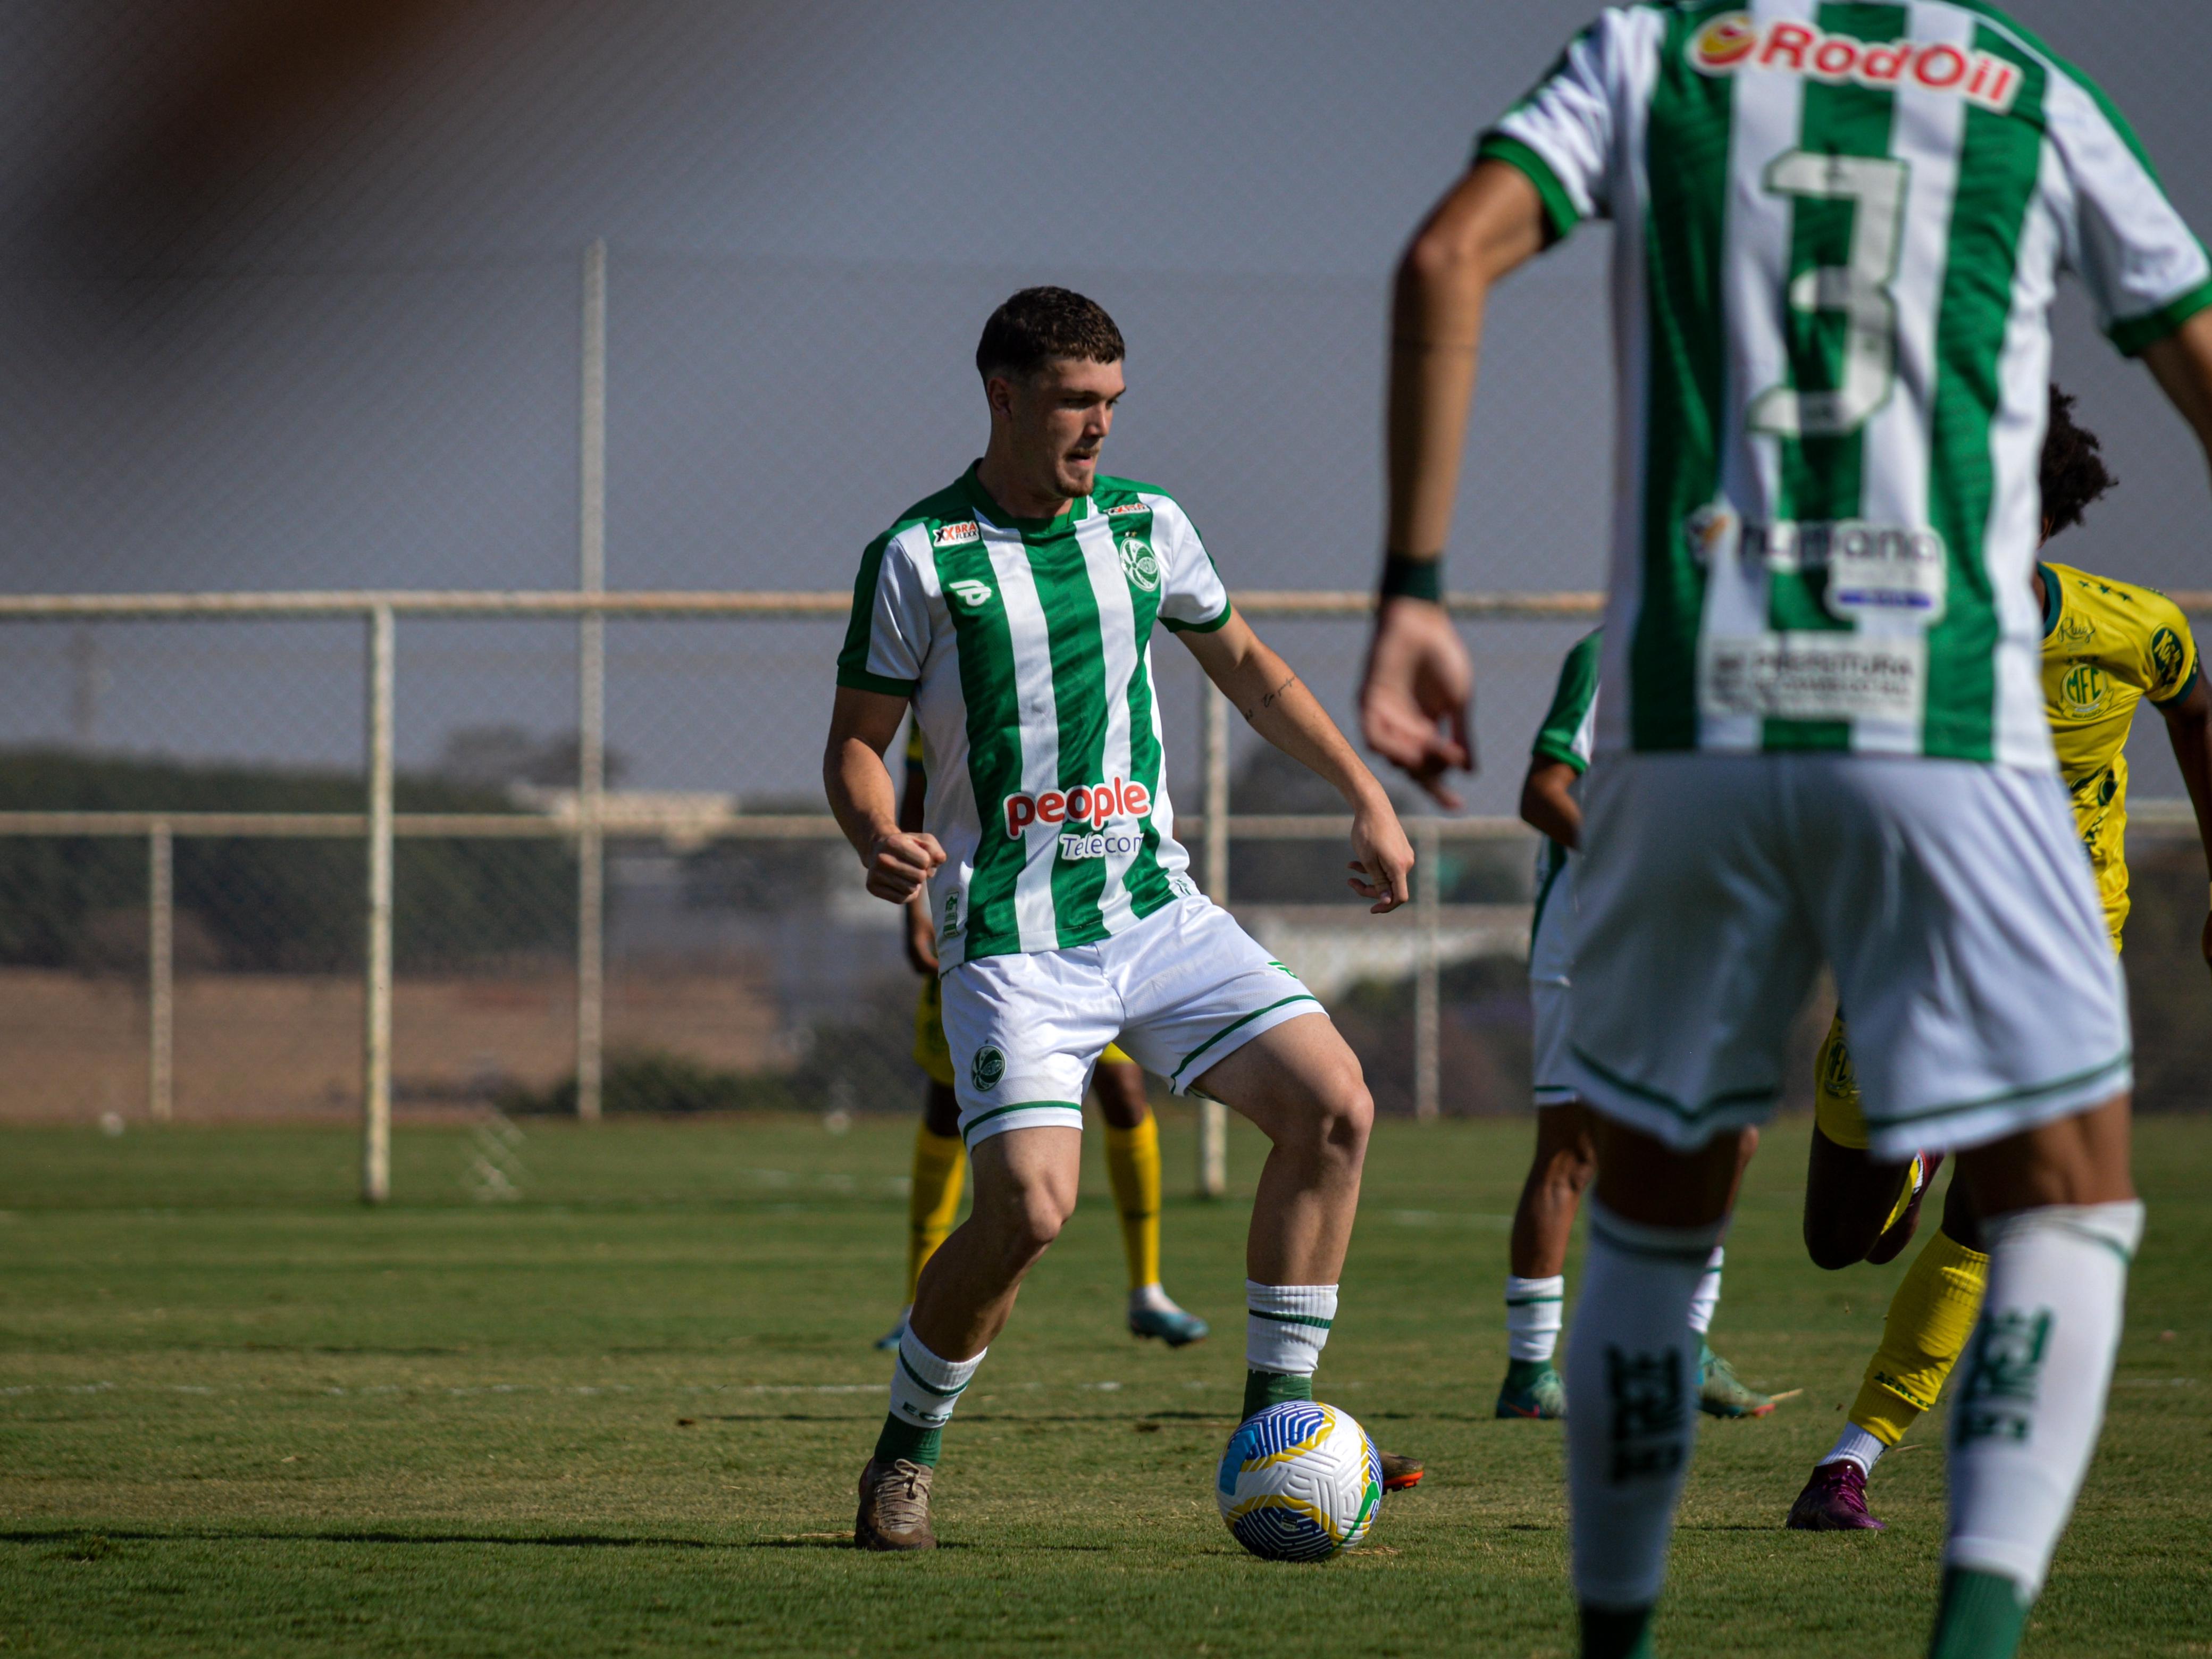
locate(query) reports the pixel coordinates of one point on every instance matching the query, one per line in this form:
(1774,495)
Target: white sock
(1705,1300)
(1286,1326)
(2030,1398)
(1631,1349)
(1533,1310)
(1152,1298)
(1855,1445)
(925,1388)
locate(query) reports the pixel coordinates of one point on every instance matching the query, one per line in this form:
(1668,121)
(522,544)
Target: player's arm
(1419,681)
(2189,729)
(861,726)
(920,930)
(1547,800)
(1279,707)
(2181,363)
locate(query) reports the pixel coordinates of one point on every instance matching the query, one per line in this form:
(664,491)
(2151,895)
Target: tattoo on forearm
(1268,701)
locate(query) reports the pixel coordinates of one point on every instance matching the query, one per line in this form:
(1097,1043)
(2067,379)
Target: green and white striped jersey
(1838,230)
(1569,730)
(1026,647)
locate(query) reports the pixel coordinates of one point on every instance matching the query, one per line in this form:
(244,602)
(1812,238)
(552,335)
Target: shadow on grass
(223,1535)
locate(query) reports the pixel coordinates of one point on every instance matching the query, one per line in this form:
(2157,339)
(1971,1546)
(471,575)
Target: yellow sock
(1133,1163)
(1929,1318)
(940,1164)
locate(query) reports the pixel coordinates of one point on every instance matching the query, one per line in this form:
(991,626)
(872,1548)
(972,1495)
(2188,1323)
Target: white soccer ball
(1300,1481)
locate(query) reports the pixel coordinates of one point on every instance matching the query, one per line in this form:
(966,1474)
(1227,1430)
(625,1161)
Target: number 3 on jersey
(1860,290)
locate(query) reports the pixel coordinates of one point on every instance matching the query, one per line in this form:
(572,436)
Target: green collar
(2051,603)
(1057,524)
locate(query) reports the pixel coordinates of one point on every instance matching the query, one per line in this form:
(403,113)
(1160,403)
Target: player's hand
(1415,696)
(898,863)
(921,936)
(1385,863)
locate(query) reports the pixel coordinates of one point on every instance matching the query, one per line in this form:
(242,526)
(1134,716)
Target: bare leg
(1543,1220)
(1848,1199)
(1120,1091)
(1025,1186)
(1301,1085)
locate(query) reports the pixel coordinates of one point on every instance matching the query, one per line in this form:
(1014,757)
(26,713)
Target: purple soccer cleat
(1834,1500)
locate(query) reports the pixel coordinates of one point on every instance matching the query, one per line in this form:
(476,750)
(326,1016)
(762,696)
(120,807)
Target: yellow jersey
(2107,645)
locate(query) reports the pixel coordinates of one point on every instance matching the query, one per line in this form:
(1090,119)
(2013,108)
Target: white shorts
(1550,979)
(1952,899)
(1180,991)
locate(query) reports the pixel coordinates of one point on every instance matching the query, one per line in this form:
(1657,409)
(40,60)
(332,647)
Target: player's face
(1060,416)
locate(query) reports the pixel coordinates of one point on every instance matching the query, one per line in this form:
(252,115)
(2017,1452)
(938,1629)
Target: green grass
(240,1414)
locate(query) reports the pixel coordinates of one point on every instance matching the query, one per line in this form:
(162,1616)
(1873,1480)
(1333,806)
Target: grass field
(240,1415)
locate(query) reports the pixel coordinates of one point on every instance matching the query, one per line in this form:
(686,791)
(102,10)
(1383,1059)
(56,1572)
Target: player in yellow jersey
(1133,1137)
(2108,647)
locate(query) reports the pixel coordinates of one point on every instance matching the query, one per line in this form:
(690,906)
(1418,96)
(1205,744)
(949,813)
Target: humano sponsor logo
(1739,41)
(1086,804)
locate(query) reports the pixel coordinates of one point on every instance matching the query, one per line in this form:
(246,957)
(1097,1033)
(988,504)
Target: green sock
(900,1438)
(1981,1616)
(1616,1633)
(1265,1388)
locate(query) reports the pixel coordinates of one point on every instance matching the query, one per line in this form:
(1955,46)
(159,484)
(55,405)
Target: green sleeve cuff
(1561,215)
(858,679)
(2135,335)
(1545,749)
(2196,671)
(1175,627)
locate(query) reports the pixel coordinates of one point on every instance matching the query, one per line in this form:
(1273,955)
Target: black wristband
(1405,578)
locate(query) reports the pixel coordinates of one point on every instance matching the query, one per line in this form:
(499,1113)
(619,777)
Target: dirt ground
(73,1046)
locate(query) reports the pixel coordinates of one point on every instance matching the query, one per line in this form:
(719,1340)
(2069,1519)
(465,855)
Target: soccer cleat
(891,1338)
(1400,1473)
(894,1507)
(1532,1388)
(1834,1500)
(1174,1326)
(1898,1234)
(1722,1393)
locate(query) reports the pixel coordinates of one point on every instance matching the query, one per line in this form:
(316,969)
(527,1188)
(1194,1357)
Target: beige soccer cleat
(894,1507)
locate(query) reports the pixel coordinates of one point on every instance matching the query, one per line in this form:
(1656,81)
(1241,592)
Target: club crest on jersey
(1740,41)
(956,535)
(2082,692)
(973,594)
(987,1068)
(1098,804)
(1140,563)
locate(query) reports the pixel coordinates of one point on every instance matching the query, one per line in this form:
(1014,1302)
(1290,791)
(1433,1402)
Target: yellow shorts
(935,1055)
(1835,1091)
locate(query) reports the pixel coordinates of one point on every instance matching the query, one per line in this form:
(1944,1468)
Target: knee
(1832,1247)
(1566,1174)
(1022,1223)
(1345,1115)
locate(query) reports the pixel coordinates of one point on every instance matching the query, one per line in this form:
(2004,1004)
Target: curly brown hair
(1039,325)
(2073,472)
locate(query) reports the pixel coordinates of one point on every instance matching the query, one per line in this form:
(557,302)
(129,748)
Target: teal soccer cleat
(1532,1389)
(1174,1326)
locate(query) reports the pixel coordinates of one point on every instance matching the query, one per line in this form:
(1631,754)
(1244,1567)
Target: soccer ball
(1300,1481)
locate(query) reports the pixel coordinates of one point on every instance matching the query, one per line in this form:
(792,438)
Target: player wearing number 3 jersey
(1015,612)
(1838,229)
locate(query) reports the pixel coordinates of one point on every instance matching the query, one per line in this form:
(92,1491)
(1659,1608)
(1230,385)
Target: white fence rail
(595,815)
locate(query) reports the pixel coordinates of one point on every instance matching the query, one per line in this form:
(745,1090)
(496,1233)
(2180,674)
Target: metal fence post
(591,692)
(376,1045)
(1428,895)
(160,970)
(1212,1115)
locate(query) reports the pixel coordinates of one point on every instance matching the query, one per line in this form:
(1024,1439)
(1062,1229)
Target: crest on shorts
(1140,563)
(988,1066)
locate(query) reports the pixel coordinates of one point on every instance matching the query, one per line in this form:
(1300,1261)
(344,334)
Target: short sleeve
(2146,271)
(1192,597)
(887,638)
(2170,664)
(1565,735)
(1561,134)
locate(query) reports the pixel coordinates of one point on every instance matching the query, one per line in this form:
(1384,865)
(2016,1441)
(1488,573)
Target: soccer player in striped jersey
(1013,611)
(2108,647)
(1565,1156)
(1133,1134)
(1838,232)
